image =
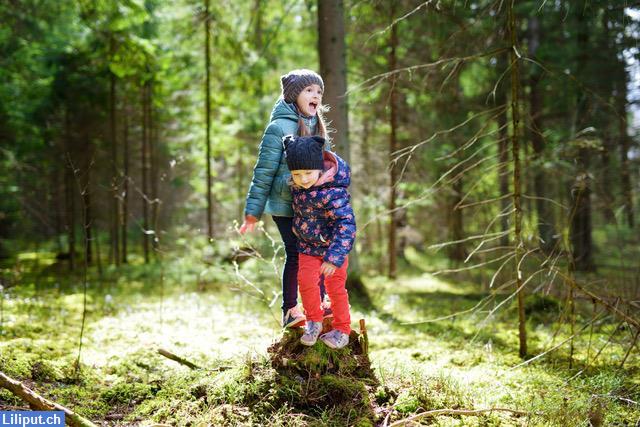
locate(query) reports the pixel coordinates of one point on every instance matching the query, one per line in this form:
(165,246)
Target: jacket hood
(282,110)
(336,172)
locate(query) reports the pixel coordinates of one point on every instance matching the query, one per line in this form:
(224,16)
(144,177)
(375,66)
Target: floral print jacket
(323,219)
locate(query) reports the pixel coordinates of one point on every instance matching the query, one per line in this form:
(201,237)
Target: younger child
(324,223)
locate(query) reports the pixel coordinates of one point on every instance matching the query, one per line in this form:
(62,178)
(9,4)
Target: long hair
(321,127)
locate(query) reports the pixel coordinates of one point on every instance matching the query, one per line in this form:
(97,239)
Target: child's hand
(248,225)
(327,269)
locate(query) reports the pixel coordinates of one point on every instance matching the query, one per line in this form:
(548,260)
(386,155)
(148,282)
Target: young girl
(297,112)
(325,226)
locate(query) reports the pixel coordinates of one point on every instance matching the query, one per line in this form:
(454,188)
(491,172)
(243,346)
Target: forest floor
(224,323)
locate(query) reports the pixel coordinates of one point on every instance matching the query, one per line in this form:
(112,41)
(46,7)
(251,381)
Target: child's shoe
(311,333)
(335,339)
(293,318)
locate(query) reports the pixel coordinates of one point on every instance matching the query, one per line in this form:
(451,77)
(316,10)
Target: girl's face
(305,178)
(309,100)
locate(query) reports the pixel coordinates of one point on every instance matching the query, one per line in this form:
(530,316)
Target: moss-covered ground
(197,307)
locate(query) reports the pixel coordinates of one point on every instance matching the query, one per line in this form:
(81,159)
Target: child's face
(309,100)
(305,178)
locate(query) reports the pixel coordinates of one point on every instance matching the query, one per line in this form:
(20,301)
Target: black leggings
(290,271)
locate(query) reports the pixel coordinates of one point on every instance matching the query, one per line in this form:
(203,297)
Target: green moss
(16,364)
(296,385)
(83,399)
(44,370)
(407,402)
(232,386)
(8,398)
(127,393)
(344,389)
(173,398)
(441,392)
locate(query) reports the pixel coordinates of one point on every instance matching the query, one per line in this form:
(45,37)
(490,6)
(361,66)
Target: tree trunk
(546,226)
(457,251)
(606,182)
(580,231)
(623,138)
(207,114)
(144,170)
(333,68)
(503,150)
(393,146)
(368,240)
(69,180)
(114,255)
(515,152)
(125,187)
(86,201)
(605,187)
(96,239)
(57,206)
(153,155)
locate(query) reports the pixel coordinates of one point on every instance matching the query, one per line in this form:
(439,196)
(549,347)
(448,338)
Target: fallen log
(177,358)
(40,403)
(185,362)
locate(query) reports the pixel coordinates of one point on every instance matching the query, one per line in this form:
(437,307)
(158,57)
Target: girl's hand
(248,225)
(327,269)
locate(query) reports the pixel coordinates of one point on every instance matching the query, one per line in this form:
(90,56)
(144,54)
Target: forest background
(494,151)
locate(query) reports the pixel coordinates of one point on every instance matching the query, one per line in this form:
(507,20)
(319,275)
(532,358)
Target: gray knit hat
(296,80)
(303,152)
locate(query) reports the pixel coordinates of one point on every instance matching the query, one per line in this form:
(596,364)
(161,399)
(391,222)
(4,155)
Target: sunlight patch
(193,325)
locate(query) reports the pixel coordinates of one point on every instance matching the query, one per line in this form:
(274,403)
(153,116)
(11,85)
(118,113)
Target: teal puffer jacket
(269,191)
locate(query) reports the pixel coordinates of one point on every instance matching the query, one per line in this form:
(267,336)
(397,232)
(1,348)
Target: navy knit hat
(296,80)
(303,152)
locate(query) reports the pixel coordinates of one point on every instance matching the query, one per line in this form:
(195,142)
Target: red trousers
(309,286)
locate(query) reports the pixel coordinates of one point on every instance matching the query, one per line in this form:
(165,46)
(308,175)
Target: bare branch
(477,236)
(395,21)
(410,149)
(483,202)
(546,200)
(612,308)
(471,267)
(467,412)
(379,77)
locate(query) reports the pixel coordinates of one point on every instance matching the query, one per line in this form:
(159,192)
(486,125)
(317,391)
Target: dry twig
(468,412)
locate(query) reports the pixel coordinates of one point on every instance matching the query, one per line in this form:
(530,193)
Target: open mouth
(313,105)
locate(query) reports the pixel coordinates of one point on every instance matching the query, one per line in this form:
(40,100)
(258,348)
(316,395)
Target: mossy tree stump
(319,379)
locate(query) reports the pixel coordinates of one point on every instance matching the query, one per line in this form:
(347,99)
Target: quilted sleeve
(266,167)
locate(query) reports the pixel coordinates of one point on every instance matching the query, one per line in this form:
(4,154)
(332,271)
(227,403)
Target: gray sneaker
(335,339)
(311,332)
